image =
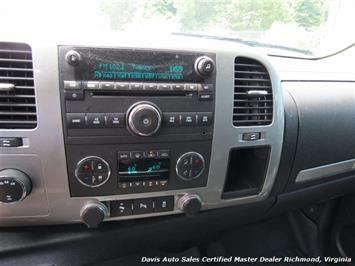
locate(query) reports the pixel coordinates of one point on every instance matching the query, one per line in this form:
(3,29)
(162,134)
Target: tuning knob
(190,204)
(92,214)
(14,186)
(144,119)
(204,66)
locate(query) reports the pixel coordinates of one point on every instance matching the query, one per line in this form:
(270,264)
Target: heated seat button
(95,120)
(141,206)
(204,119)
(121,208)
(164,204)
(76,120)
(115,120)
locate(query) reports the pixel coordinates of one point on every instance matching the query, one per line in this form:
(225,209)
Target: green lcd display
(141,169)
(136,65)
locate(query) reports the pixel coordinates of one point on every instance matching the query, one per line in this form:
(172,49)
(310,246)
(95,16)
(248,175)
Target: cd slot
(141,93)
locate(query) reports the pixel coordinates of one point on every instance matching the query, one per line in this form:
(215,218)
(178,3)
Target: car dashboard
(98,131)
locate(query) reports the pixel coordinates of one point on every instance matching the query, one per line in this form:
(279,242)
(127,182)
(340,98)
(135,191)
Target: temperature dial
(190,165)
(92,171)
(14,186)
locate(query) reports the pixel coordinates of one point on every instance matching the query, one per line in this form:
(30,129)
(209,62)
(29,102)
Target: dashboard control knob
(204,66)
(92,171)
(144,119)
(73,58)
(190,204)
(92,214)
(190,166)
(14,186)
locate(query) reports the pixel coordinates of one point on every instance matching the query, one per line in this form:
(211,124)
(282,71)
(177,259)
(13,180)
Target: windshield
(311,27)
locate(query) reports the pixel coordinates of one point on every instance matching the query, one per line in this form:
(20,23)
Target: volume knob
(204,66)
(144,119)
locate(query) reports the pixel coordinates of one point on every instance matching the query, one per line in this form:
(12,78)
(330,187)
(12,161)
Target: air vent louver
(17,92)
(253,101)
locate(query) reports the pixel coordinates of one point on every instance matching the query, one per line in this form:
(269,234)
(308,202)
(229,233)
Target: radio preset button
(121,86)
(150,86)
(91,85)
(72,84)
(192,87)
(95,120)
(76,120)
(136,86)
(106,85)
(164,87)
(115,120)
(207,87)
(178,87)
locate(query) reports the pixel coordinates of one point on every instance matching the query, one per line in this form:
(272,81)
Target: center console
(103,131)
(136,121)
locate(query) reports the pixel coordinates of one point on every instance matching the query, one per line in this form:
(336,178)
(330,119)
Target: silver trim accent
(184,199)
(186,154)
(257,92)
(198,62)
(137,107)
(7,87)
(88,158)
(325,171)
(44,158)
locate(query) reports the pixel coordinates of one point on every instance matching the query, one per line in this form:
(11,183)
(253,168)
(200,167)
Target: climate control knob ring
(190,165)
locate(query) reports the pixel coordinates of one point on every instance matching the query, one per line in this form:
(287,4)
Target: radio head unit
(136,120)
(134,65)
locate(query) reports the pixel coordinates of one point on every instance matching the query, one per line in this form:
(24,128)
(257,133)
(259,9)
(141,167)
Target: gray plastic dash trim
(325,171)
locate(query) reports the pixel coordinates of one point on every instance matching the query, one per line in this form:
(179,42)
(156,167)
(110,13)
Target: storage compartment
(246,171)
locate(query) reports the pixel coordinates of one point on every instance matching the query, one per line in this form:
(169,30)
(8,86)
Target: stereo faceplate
(142,103)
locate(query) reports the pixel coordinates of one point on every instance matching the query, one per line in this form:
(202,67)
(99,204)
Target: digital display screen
(142,169)
(136,65)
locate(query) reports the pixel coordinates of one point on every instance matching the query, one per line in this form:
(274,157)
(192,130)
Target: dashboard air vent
(253,101)
(17,92)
